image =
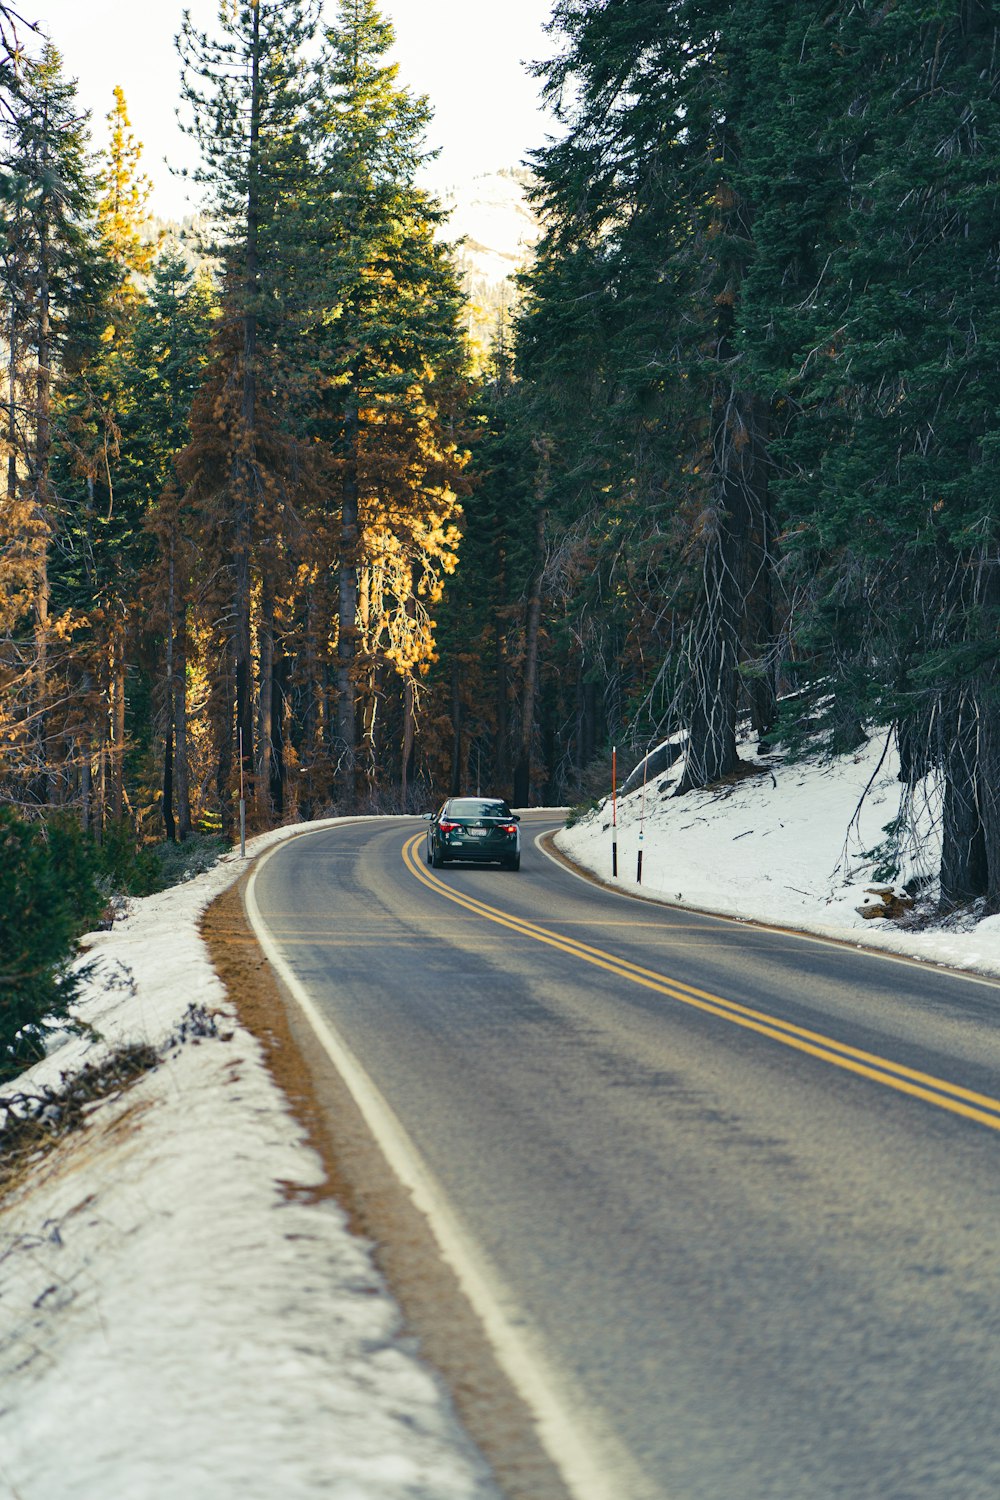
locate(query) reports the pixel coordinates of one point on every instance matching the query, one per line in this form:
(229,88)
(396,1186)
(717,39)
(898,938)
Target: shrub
(180,862)
(48,896)
(128,868)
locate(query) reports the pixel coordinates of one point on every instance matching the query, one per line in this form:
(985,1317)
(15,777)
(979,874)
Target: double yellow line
(937,1091)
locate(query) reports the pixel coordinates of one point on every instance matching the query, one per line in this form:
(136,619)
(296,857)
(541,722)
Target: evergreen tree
(15,32)
(479,638)
(48,897)
(872,305)
(105,499)
(250,93)
(170,344)
(392,355)
(634,306)
(54,286)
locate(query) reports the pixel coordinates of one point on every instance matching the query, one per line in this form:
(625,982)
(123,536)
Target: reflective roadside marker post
(642,824)
(614,811)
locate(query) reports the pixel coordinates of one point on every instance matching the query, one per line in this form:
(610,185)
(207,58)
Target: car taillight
(508,827)
(447,827)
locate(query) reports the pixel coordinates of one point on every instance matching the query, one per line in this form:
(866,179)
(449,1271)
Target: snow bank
(787,845)
(174,1322)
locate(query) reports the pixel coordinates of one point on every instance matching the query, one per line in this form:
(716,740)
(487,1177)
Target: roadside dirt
(449,1334)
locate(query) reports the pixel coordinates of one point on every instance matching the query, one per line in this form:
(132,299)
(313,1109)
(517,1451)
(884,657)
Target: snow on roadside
(173,1322)
(787,845)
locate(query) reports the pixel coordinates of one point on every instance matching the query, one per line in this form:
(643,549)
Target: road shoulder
(449,1335)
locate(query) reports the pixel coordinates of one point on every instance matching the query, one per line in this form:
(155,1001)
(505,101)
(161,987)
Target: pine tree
(170,343)
(53,278)
(633,306)
(15,34)
(392,352)
(873,307)
(250,93)
(122,213)
(105,547)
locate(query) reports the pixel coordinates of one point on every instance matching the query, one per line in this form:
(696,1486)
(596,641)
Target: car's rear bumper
(478,853)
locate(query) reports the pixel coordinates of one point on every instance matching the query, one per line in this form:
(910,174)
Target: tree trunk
(102,772)
(914,740)
(736,540)
(989,791)
(532,624)
(40,789)
(964,866)
(406,760)
(456,732)
(118,685)
(223,775)
(244,462)
(12,435)
(86,789)
(347,613)
(279,690)
(169,823)
(307,725)
(182,775)
(714,640)
(265,727)
(367,678)
(502,752)
(761,684)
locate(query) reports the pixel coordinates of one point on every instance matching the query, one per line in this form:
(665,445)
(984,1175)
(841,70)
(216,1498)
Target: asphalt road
(735,1194)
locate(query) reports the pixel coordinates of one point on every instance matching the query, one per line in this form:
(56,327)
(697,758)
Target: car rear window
(474,807)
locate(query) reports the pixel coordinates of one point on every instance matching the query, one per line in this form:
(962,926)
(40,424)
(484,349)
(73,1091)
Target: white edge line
(802,935)
(583,1471)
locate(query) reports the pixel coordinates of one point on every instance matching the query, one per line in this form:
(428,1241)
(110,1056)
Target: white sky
(466,55)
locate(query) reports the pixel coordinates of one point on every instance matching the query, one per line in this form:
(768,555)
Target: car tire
(514,863)
(430,857)
(437,858)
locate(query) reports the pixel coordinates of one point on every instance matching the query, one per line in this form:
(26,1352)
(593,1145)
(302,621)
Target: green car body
(474,830)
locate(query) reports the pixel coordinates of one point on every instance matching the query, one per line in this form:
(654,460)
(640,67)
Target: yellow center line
(938,1091)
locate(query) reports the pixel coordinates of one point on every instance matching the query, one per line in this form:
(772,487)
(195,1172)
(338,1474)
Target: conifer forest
(270,525)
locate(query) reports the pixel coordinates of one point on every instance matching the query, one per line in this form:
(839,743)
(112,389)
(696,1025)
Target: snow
(788,845)
(175,1322)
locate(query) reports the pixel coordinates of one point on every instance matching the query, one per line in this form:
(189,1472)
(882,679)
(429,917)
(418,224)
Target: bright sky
(466,55)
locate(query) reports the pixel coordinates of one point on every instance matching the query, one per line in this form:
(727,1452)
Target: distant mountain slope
(491,213)
(490,223)
(494,231)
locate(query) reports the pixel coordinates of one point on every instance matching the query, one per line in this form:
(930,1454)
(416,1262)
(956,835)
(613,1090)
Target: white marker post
(614,811)
(642,823)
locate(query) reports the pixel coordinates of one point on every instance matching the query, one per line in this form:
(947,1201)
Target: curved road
(730,1198)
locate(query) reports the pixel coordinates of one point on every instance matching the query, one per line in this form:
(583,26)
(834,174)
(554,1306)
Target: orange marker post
(614,811)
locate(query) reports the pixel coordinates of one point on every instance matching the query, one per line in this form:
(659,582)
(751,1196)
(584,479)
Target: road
(729,1198)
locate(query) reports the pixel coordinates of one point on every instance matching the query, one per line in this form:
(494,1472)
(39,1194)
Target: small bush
(180,862)
(49,895)
(128,868)
(31,1124)
(55,884)
(580,811)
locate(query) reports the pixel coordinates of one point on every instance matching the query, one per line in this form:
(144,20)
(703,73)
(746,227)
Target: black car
(478,830)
